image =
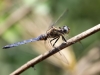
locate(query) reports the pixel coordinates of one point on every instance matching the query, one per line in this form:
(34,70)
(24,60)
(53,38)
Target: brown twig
(57,49)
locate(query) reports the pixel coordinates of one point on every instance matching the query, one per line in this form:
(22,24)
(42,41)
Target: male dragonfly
(52,32)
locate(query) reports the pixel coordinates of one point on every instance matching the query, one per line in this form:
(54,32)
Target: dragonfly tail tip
(5,47)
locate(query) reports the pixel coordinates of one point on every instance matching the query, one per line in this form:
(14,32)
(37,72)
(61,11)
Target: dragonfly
(53,32)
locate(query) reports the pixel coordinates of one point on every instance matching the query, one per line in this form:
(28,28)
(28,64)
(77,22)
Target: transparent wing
(58,19)
(22,42)
(60,56)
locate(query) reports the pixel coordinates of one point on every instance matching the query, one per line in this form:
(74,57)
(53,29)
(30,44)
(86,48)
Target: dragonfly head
(65,29)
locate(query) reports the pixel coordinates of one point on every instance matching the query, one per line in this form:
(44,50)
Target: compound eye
(66,29)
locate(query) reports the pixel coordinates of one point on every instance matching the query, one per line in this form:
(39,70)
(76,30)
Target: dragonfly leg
(52,40)
(63,38)
(56,41)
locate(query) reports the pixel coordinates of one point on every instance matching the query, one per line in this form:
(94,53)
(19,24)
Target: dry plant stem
(15,17)
(57,49)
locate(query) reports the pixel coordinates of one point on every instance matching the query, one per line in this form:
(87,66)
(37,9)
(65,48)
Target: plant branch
(57,49)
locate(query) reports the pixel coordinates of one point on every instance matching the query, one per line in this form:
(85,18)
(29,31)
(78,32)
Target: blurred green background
(25,19)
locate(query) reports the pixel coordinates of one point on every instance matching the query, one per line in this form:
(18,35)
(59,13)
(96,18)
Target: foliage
(24,19)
